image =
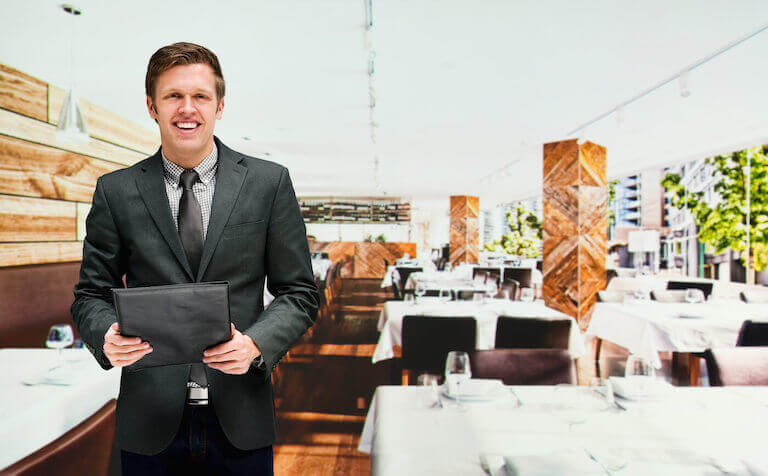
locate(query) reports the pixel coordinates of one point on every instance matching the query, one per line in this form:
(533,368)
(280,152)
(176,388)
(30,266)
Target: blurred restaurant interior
(539,230)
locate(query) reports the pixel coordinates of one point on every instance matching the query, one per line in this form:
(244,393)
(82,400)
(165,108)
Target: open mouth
(186,126)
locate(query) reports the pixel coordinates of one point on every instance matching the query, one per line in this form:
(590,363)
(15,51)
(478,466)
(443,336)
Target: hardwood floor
(325,384)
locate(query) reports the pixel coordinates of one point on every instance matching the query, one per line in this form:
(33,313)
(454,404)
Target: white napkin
(570,462)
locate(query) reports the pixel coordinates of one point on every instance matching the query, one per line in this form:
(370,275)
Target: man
(196,211)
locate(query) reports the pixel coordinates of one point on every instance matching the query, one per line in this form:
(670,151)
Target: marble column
(465,229)
(575,196)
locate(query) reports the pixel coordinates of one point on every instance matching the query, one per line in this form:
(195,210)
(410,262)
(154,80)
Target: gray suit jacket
(255,230)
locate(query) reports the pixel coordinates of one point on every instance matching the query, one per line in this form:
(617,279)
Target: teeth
(186,125)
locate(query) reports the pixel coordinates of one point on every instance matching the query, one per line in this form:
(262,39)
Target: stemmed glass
(457,371)
(693,295)
(491,289)
(444,295)
(420,290)
(59,336)
(526,295)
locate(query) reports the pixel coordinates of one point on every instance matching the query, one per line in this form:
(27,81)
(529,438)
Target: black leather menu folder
(180,321)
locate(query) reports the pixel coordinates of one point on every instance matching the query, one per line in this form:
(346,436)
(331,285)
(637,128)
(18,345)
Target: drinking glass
(694,295)
(642,295)
(444,295)
(491,289)
(526,295)
(409,298)
(457,371)
(639,373)
(59,336)
(420,290)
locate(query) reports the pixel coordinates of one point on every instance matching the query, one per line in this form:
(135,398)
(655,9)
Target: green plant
(523,237)
(381,238)
(724,225)
(368,238)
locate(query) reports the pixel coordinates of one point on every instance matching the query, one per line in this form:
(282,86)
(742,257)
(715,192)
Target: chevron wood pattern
(464,229)
(575,226)
(363,259)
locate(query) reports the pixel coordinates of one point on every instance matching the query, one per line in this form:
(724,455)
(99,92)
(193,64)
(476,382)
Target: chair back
(510,289)
(404,272)
(610,296)
(753,334)
(488,273)
(524,276)
(668,296)
(427,341)
(441,262)
(737,366)
(705,287)
(85,449)
(524,366)
(532,333)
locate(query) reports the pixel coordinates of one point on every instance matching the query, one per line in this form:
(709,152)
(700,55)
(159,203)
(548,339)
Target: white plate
(478,390)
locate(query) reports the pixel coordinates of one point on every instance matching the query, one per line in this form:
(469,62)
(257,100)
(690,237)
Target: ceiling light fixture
(72,126)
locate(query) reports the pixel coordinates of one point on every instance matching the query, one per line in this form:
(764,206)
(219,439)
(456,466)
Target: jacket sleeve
(289,279)
(101,269)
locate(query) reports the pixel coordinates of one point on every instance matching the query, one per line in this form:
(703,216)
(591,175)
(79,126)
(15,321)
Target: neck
(187,159)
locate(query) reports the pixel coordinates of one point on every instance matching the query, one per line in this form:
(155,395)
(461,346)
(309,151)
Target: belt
(197,395)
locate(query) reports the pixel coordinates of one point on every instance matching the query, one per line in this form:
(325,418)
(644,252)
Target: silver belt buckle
(197,396)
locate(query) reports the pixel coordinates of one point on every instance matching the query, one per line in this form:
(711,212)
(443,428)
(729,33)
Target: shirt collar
(205,169)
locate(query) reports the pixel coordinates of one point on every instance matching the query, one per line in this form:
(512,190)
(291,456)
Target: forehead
(188,76)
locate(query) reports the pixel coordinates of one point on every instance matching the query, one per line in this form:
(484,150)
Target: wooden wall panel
(35,170)
(15,125)
(16,254)
(363,259)
(106,125)
(464,229)
(23,94)
(575,226)
(35,219)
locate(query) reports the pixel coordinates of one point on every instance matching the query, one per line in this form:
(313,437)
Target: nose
(186,105)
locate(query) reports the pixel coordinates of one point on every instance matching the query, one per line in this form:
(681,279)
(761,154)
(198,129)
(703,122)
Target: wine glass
(444,295)
(59,336)
(639,373)
(526,294)
(491,289)
(457,371)
(420,290)
(693,295)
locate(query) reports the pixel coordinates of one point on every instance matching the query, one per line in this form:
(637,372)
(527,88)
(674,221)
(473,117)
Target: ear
(151,108)
(220,109)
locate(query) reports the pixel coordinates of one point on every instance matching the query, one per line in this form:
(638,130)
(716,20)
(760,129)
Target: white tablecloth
(320,267)
(33,416)
(646,328)
(690,431)
(391,321)
(720,289)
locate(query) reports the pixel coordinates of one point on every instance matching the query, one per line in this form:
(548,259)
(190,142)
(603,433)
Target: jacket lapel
(151,185)
(230,176)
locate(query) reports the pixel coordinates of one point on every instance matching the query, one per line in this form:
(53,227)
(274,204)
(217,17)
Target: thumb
(232,328)
(115,327)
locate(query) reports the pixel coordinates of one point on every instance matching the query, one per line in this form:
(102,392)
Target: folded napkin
(571,462)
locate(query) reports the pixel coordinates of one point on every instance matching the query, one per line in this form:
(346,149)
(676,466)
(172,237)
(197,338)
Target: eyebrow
(197,91)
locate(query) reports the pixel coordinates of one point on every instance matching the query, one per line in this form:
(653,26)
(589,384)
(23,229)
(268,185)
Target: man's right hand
(122,351)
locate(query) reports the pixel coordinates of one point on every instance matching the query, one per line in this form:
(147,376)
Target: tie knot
(188,178)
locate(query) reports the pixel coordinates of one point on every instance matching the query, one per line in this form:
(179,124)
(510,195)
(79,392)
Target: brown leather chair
(524,366)
(427,341)
(532,333)
(85,449)
(737,366)
(753,334)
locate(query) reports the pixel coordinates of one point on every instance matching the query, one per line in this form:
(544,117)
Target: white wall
(357,232)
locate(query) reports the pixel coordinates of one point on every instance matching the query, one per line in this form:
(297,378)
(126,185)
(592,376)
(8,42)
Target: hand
(122,351)
(234,356)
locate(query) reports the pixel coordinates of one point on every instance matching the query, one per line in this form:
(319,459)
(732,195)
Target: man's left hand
(234,356)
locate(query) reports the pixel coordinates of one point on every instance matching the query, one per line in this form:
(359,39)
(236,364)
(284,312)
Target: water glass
(491,289)
(59,336)
(409,298)
(420,290)
(457,371)
(526,294)
(444,295)
(639,373)
(693,296)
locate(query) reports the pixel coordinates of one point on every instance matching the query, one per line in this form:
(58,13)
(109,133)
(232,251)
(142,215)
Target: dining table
(564,429)
(486,313)
(37,412)
(645,327)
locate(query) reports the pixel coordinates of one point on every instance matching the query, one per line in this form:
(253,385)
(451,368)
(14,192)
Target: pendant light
(72,126)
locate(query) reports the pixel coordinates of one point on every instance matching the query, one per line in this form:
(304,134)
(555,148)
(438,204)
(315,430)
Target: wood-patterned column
(575,196)
(465,229)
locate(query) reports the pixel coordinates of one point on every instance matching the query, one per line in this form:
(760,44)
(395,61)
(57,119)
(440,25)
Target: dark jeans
(200,447)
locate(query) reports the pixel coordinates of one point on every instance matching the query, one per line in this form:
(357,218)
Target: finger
(124,349)
(135,355)
(128,359)
(228,346)
(225,357)
(229,367)
(117,339)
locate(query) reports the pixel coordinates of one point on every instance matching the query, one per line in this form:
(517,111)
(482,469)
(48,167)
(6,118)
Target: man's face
(186,109)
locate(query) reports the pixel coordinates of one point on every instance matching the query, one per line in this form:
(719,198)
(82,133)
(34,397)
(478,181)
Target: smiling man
(196,211)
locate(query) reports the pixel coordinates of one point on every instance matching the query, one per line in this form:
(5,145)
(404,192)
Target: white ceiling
(463,87)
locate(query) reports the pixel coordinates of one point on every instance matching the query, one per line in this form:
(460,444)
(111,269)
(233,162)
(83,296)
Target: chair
(524,276)
(610,274)
(85,449)
(509,289)
(427,341)
(753,334)
(441,264)
(524,366)
(705,287)
(404,272)
(668,296)
(758,296)
(494,273)
(532,333)
(737,366)
(610,296)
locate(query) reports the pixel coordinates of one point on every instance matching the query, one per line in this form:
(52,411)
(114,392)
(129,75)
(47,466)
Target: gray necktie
(191,234)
